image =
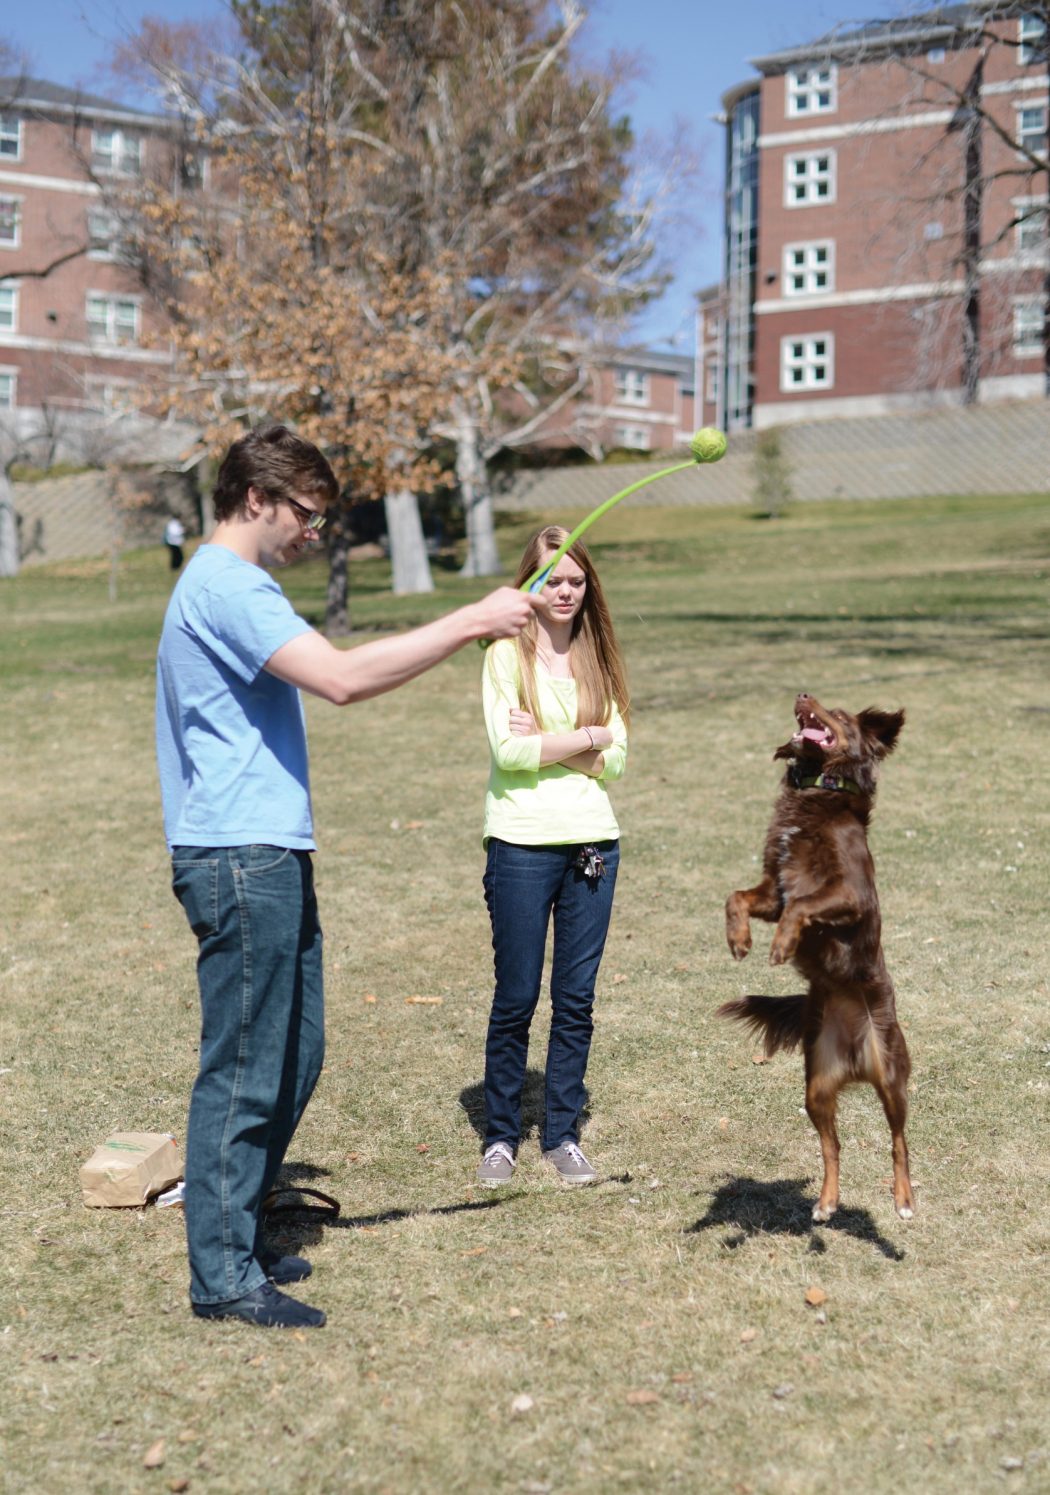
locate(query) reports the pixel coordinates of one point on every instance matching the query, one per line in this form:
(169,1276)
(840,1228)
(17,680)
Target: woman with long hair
(556,710)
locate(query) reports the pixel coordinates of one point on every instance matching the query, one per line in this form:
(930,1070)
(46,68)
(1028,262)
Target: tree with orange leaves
(416,222)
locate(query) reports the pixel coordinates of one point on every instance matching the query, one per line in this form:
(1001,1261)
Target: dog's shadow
(748,1207)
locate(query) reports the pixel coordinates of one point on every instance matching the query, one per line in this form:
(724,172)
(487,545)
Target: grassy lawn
(656,1323)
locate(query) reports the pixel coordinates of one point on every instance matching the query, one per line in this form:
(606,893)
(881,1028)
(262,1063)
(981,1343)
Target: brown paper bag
(129,1168)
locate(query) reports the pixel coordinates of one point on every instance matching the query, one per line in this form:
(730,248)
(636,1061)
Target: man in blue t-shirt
(231,750)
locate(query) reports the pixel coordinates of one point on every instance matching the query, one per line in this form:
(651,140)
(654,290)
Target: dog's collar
(823,781)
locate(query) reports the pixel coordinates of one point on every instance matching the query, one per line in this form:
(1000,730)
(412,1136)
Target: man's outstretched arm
(344,675)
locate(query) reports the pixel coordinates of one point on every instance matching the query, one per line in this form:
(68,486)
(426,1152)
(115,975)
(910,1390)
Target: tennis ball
(708,444)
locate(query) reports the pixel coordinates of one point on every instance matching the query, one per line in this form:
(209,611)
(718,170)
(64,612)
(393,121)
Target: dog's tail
(779,1020)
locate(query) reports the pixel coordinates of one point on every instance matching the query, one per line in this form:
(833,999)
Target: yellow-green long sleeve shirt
(551,806)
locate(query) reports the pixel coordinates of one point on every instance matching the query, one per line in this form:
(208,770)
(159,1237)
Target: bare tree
(502,157)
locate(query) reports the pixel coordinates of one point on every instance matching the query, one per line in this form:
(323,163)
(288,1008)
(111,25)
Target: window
(8,389)
(113,319)
(1031,129)
(811,91)
(936,54)
(807,362)
(112,396)
(116,151)
(10,222)
(634,437)
(809,179)
(1033,223)
(8,309)
(193,169)
(1028,329)
(1031,39)
(711,395)
(103,235)
(10,137)
(632,386)
(808,269)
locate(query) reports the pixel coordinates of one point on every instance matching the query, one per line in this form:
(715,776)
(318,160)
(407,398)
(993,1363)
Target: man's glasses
(310,518)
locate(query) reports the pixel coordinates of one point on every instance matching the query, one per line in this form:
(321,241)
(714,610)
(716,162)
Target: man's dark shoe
(284,1269)
(266,1307)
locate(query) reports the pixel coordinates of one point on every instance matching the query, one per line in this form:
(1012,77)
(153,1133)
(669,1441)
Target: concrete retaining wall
(988,449)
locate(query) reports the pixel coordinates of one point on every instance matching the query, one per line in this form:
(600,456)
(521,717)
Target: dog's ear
(883,727)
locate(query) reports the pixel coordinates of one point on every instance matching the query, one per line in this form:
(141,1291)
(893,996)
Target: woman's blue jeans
(254,913)
(524,887)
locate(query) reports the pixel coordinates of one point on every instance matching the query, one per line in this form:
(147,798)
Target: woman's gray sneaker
(497,1166)
(572,1166)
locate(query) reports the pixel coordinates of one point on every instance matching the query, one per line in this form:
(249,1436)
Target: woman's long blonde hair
(596,661)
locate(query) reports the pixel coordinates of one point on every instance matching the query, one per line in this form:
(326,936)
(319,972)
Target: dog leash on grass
(326,1208)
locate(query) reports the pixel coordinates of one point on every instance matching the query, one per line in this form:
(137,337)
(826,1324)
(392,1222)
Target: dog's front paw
(823,1212)
(785,942)
(780,952)
(739,942)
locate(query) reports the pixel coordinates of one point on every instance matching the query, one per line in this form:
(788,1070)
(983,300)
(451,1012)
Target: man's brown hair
(276,462)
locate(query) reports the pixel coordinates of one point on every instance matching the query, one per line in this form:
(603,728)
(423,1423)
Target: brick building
(642,401)
(75,342)
(886,199)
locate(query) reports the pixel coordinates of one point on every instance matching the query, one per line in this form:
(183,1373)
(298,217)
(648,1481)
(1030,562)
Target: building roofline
(732,96)
(935,26)
(52,98)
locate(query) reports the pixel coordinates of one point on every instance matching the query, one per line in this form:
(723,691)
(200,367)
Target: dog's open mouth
(812,729)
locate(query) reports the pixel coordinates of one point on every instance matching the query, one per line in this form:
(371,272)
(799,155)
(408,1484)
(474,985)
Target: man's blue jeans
(254,913)
(524,887)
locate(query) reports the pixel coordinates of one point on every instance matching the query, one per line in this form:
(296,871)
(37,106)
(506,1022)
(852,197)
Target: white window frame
(112,396)
(1028,312)
(936,55)
(632,387)
(9,377)
(111,301)
(9,298)
(10,130)
(809,268)
(809,362)
(811,90)
(810,179)
(16,240)
(110,249)
(1030,29)
(118,155)
(1043,111)
(633,438)
(1036,225)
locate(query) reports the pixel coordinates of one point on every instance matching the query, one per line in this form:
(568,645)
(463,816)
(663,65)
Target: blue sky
(691,52)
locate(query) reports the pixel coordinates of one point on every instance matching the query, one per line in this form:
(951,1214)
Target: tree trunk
(8,528)
(337,600)
(115,541)
(408,551)
(972,209)
(482,554)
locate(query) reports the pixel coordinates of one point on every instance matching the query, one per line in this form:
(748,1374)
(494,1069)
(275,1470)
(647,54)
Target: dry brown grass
(658,1320)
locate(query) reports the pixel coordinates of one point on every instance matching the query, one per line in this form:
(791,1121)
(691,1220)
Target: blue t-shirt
(231,738)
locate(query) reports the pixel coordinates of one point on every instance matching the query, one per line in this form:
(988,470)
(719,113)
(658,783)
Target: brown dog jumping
(818,887)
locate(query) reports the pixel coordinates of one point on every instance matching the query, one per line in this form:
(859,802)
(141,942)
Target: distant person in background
(174,536)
